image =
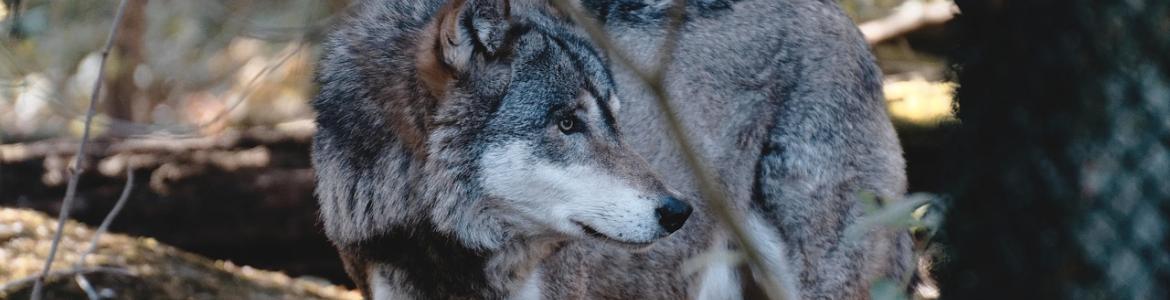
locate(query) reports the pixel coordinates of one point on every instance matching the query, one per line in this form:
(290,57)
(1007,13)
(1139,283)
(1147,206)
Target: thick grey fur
(782,97)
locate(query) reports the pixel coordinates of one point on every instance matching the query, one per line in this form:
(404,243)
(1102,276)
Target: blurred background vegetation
(201,67)
(207,102)
(178,67)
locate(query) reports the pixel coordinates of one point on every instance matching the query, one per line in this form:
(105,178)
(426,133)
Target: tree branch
(81,281)
(300,131)
(79,160)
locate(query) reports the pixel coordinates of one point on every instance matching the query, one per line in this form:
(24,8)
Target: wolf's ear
(461,29)
(472,25)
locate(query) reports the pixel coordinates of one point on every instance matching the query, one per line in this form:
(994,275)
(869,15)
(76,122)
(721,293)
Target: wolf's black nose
(673,213)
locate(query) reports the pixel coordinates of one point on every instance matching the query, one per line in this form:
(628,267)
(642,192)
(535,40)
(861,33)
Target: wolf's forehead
(598,80)
(580,55)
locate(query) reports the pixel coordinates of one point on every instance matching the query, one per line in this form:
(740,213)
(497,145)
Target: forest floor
(126,267)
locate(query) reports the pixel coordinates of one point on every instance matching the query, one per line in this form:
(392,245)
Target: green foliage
(896,215)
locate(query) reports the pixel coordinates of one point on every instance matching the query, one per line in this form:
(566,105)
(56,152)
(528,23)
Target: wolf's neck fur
(424,264)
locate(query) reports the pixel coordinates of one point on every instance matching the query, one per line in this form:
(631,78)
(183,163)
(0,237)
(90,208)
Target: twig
(299,131)
(312,27)
(85,286)
(251,86)
(109,218)
(656,81)
(81,281)
(254,81)
(910,16)
(79,159)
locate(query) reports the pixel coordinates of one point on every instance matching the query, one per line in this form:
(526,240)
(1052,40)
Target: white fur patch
(382,289)
(563,198)
(774,254)
(719,279)
(615,104)
(531,288)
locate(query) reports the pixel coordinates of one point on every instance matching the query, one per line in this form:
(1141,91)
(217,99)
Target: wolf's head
(480,120)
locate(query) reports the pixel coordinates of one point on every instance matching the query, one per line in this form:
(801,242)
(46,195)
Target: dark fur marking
(601,95)
(436,265)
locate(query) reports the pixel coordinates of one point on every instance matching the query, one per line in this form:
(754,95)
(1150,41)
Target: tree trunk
(125,100)
(1062,164)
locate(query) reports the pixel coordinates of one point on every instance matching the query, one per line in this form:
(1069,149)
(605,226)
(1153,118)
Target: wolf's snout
(673,214)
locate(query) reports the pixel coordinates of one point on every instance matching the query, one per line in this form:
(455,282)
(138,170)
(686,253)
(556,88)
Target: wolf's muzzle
(673,213)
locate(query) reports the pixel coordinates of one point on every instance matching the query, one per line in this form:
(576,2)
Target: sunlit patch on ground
(921,102)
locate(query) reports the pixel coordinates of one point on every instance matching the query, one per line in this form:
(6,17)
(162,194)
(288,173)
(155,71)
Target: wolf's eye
(567,125)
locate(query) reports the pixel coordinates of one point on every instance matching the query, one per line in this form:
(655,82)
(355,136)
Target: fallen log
(125,267)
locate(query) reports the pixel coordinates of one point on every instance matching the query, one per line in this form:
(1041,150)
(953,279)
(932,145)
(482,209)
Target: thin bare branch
(673,32)
(109,218)
(240,27)
(79,159)
(87,287)
(81,281)
(251,86)
(710,192)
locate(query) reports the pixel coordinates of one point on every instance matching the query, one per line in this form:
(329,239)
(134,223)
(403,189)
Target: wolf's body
(783,99)
(433,179)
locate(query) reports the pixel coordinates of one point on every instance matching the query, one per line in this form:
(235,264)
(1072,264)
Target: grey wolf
(483,149)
